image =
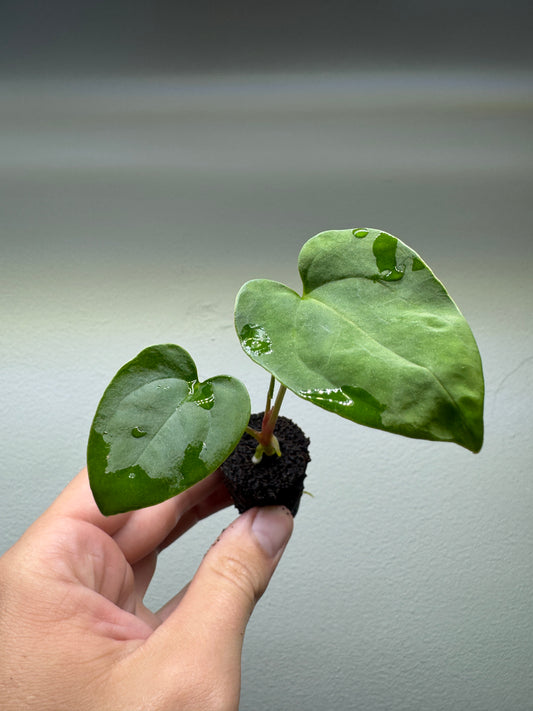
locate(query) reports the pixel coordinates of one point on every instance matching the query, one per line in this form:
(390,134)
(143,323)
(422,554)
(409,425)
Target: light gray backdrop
(133,208)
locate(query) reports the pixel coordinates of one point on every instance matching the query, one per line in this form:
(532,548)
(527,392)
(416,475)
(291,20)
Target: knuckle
(240,575)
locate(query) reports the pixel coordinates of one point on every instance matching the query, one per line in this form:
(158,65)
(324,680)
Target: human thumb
(236,571)
(230,580)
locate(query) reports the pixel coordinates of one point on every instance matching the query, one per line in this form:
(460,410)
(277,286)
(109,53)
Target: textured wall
(132,211)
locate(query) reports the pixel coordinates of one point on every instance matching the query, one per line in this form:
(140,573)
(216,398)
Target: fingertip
(272,527)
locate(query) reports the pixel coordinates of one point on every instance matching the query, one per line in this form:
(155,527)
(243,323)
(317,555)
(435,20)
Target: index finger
(140,532)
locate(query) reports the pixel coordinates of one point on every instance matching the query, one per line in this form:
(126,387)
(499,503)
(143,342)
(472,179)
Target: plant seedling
(374,337)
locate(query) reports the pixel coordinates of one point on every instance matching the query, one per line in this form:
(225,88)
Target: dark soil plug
(274,480)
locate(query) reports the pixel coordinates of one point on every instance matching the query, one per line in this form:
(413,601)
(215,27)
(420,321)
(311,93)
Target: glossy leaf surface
(158,430)
(374,338)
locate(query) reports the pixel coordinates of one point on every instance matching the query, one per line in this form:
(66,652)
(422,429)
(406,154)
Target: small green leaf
(374,338)
(158,430)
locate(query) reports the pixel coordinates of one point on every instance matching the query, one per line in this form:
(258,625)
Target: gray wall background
(141,184)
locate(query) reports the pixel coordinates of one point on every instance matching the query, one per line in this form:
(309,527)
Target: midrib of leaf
(165,422)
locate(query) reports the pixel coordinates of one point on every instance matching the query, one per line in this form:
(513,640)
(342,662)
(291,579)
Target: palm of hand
(89,574)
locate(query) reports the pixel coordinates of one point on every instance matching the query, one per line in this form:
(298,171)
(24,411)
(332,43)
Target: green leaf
(158,430)
(374,338)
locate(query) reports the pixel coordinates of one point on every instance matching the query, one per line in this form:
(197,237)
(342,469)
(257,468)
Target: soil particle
(275,480)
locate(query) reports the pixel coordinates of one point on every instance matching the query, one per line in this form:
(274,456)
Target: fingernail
(272,527)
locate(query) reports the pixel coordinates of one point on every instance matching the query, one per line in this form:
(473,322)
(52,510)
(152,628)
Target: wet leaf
(374,338)
(158,430)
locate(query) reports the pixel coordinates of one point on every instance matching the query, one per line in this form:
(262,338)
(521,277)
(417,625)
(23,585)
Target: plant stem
(277,405)
(268,443)
(253,433)
(270,394)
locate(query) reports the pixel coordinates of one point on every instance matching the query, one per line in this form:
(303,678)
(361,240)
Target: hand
(74,633)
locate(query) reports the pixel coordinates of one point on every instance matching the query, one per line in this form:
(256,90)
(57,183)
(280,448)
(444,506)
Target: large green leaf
(374,337)
(158,430)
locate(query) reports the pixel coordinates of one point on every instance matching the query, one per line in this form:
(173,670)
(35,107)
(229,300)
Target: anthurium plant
(374,337)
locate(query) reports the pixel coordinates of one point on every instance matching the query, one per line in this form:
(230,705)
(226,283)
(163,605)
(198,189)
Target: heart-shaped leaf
(158,430)
(374,337)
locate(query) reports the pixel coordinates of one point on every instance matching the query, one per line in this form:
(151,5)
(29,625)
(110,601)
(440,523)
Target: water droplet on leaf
(202,395)
(368,408)
(360,233)
(332,396)
(393,275)
(255,340)
(138,432)
(384,249)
